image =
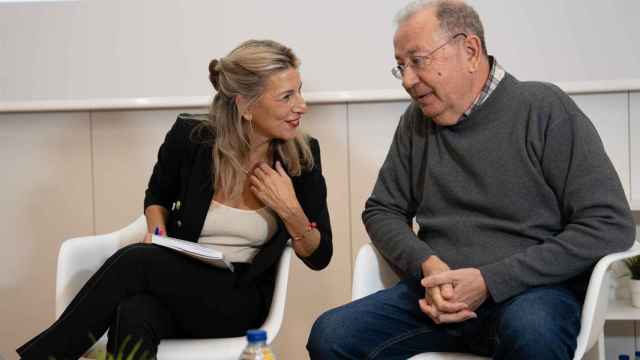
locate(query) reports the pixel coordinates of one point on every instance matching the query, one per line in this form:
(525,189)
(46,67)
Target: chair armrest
(273,322)
(596,302)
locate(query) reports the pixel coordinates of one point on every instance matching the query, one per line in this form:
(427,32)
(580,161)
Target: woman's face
(278,111)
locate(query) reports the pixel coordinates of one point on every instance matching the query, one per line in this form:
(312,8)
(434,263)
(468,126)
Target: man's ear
(473,52)
(243,107)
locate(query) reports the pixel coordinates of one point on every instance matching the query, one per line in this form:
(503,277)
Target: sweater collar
(495,76)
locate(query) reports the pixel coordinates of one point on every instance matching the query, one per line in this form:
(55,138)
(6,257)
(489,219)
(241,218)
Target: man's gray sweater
(522,190)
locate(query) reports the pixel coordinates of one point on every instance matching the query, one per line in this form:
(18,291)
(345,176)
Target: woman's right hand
(156,218)
(159,230)
(147,238)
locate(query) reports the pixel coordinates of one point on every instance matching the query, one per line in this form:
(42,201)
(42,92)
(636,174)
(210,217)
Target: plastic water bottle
(257,348)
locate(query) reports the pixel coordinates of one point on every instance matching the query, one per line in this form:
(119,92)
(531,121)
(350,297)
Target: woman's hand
(156,218)
(275,189)
(158,231)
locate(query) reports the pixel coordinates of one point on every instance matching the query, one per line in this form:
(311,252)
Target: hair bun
(214,74)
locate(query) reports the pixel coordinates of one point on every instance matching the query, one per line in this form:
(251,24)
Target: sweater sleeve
(590,197)
(390,209)
(312,194)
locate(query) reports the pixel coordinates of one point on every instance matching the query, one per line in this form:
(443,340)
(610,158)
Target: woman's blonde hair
(244,72)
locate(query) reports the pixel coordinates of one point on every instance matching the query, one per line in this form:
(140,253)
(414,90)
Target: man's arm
(591,202)
(388,218)
(389,211)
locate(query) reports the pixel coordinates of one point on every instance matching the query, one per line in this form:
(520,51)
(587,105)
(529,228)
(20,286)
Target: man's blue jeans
(541,323)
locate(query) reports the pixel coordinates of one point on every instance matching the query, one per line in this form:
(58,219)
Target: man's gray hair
(454,17)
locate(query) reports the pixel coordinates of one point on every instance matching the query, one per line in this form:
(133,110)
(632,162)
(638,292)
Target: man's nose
(409,77)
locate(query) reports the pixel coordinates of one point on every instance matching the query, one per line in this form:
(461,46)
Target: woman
(243,181)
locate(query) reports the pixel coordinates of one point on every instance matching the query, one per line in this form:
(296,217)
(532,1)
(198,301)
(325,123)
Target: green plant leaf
(633,264)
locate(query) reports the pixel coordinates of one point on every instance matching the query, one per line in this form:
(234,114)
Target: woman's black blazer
(182,183)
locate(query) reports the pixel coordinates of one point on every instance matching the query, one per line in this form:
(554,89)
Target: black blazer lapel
(199,194)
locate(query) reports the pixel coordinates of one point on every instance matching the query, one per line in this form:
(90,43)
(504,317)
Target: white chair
(80,257)
(372,273)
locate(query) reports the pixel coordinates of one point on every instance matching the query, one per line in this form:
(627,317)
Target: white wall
(146,48)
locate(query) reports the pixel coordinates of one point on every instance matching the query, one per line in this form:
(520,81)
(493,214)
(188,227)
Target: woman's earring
(249,118)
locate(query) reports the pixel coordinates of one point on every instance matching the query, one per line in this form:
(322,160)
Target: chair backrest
(79,258)
(371,273)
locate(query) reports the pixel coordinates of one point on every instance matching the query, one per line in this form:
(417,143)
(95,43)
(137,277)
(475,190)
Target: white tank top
(237,233)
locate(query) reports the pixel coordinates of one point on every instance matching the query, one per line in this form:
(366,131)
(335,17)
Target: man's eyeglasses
(419,62)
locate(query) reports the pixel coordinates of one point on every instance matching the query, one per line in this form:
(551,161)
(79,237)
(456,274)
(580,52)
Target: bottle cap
(623,357)
(260,335)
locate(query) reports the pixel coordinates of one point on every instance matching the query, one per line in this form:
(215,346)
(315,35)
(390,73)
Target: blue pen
(156,231)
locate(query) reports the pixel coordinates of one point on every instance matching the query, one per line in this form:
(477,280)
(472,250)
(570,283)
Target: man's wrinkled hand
(439,302)
(442,317)
(468,285)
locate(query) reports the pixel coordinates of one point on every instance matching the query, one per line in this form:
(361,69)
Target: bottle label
(267,354)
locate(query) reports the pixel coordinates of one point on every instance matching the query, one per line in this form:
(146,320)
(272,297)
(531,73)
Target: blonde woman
(242,181)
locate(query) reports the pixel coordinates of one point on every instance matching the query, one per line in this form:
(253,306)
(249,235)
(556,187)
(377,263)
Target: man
(514,195)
